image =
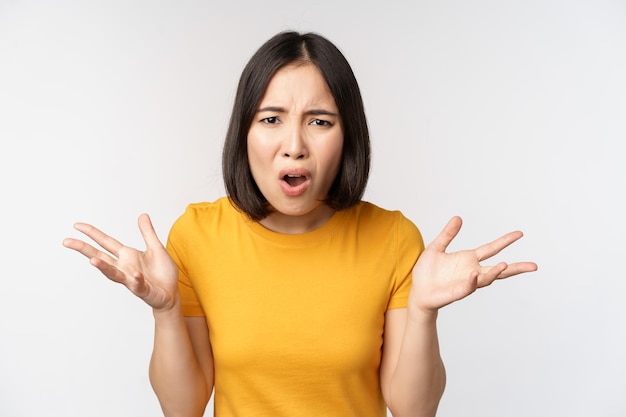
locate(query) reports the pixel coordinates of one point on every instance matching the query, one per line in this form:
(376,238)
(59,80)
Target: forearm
(175,372)
(419,378)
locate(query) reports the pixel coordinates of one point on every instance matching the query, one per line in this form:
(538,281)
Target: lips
(294,181)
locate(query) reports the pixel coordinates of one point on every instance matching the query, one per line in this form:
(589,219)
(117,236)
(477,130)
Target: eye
(270,120)
(320,122)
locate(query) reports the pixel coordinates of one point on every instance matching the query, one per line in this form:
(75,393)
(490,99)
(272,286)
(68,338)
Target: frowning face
(294,148)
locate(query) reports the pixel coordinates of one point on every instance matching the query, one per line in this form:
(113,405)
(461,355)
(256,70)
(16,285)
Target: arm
(412,372)
(181,368)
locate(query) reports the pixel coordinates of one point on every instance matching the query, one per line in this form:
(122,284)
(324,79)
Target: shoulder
(221,205)
(369,213)
(368,209)
(204,211)
(200,217)
(375,222)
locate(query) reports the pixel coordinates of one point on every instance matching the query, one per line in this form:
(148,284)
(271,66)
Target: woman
(291,296)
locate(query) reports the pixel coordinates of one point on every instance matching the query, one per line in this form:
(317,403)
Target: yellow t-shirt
(295,321)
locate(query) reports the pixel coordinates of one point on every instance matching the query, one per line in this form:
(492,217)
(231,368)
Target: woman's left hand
(441,278)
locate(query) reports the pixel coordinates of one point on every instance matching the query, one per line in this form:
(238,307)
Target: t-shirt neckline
(301,239)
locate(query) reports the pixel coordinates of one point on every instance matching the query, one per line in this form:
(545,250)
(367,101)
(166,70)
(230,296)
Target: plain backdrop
(510,114)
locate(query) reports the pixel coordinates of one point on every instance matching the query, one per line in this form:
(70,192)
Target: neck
(293,225)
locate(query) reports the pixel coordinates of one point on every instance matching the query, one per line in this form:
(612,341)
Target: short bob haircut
(281,50)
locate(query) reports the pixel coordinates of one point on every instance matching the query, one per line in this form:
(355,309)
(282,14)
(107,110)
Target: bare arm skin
(181,367)
(412,373)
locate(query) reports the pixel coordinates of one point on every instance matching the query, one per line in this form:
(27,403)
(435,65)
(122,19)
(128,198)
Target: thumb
(449,232)
(148,233)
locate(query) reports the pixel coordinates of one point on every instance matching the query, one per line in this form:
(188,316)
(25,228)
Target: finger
(137,285)
(491,274)
(101,238)
(518,268)
(449,232)
(490,249)
(148,233)
(109,270)
(87,250)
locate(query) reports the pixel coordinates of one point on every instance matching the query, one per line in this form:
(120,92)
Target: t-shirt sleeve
(178,248)
(410,247)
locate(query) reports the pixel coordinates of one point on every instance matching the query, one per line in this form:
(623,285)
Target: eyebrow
(314,112)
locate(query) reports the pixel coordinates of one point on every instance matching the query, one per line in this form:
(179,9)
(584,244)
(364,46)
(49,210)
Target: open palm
(440,278)
(151,275)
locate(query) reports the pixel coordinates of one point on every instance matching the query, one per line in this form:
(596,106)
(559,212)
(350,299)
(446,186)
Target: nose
(295,144)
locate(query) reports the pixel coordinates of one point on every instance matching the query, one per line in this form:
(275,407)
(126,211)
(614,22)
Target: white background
(511,114)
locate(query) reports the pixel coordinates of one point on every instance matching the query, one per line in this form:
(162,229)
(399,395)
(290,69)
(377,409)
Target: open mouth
(294,180)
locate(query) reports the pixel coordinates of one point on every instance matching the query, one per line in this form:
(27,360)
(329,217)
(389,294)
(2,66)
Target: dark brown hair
(283,49)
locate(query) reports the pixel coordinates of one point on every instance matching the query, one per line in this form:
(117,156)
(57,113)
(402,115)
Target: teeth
(293,176)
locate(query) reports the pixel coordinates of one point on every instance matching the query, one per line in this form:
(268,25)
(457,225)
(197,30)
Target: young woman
(292,296)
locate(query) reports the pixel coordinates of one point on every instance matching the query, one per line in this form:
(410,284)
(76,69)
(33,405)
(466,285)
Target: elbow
(423,410)
(189,411)
(421,403)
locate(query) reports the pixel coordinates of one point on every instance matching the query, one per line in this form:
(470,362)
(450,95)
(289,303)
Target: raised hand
(151,275)
(440,278)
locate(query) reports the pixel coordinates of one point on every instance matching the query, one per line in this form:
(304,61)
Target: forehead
(301,84)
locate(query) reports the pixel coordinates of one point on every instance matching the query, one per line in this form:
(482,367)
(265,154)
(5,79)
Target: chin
(297,210)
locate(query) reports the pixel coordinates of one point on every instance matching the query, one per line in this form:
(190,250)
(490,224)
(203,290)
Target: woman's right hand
(151,275)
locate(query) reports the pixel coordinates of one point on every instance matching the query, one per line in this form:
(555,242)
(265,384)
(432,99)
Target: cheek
(253,159)
(257,151)
(333,157)
(260,143)
(336,150)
